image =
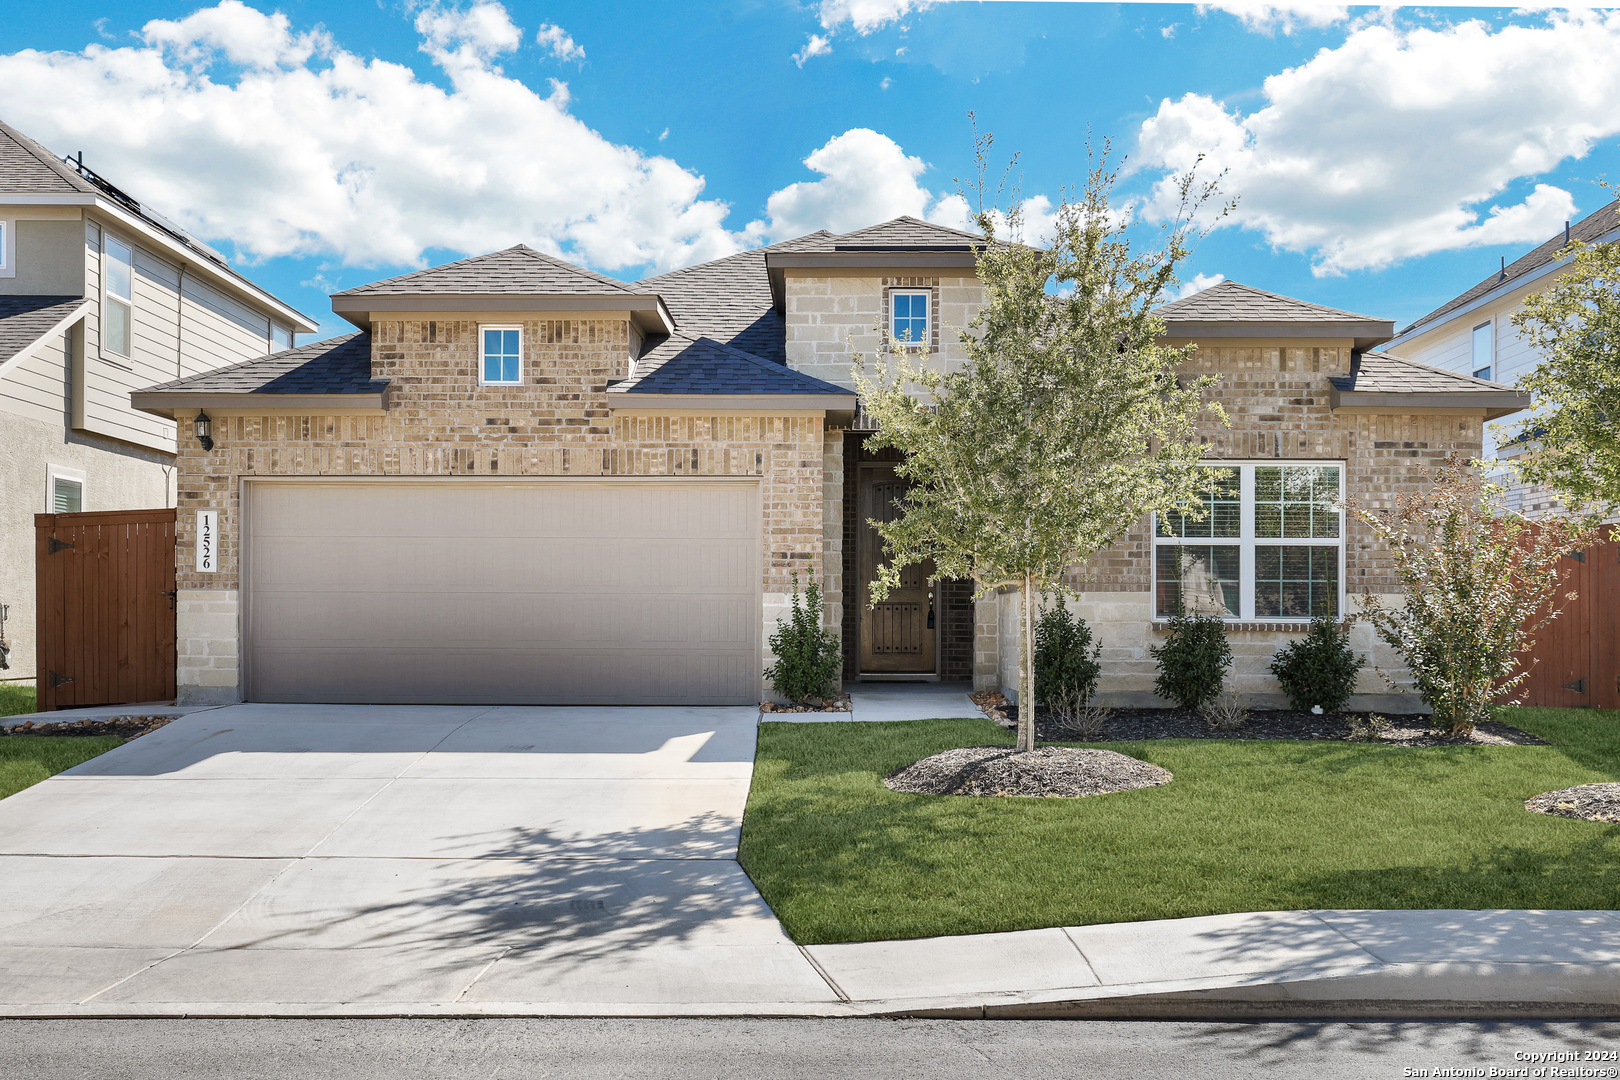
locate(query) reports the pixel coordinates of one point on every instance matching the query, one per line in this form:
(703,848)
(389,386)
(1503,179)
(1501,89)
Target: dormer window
(908,317)
(502,355)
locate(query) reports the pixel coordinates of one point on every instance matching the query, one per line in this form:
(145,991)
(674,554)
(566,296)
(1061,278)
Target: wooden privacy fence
(1578,654)
(105,593)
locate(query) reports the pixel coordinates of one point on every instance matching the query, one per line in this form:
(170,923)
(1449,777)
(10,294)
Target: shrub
(1225,712)
(809,657)
(1320,668)
(1193,660)
(1066,666)
(1477,586)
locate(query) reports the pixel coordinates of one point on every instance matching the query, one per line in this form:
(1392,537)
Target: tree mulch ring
(1591,802)
(1404,729)
(125,727)
(834,704)
(1047,772)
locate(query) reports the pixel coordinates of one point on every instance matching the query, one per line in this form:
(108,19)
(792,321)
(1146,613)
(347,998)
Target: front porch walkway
(877,701)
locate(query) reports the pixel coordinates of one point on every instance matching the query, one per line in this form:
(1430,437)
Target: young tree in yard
(1575,324)
(1067,425)
(1477,586)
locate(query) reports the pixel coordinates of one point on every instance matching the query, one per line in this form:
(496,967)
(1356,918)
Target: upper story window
(502,349)
(281,338)
(118,282)
(1270,545)
(5,247)
(908,317)
(1484,350)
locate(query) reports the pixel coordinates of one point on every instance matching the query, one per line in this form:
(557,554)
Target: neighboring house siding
(36,385)
(440,422)
(46,254)
(832,317)
(216,326)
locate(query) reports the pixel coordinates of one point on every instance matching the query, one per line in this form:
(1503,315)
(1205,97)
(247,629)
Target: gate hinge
(1579,686)
(57,679)
(53,545)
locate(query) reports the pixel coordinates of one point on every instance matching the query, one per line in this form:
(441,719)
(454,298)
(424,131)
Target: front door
(897,636)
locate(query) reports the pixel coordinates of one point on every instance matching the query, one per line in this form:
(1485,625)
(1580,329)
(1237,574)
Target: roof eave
(1495,403)
(74,314)
(648,310)
(834,405)
(1366,335)
(167,403)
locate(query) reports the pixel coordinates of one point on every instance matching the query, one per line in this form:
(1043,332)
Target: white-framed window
(281,338)
(909,315)
(118,280)
(1270,545)
(1484,350)
(8,266)
(500,355)
(64,490)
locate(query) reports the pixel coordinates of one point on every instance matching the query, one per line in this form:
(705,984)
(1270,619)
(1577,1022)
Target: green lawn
(16,698)
(25,760)
(1245,826)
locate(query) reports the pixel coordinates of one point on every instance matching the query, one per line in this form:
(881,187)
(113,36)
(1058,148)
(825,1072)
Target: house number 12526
(207,541)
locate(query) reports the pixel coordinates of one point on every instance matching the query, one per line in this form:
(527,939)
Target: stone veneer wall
(441,422)
(1277,400)
(832,316)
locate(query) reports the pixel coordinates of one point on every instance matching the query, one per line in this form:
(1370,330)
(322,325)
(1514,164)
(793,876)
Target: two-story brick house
(99,295)
(520,481)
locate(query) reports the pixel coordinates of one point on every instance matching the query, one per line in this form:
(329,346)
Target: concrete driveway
(291,858)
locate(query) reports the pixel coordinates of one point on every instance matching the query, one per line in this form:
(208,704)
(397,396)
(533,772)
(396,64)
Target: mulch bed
(125,727)
(1047,772)
(1591,802)
(837,704)
(1130,725)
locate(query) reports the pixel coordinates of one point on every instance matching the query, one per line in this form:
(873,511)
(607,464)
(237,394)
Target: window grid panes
(1268,544)
(119,281)
(503,356)
(909,317)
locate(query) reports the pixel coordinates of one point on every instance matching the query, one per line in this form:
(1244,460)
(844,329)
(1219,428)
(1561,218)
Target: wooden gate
(1578,654)
(104,585)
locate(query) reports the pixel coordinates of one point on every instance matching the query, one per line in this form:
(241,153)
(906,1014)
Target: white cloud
(1271,18)
(865,178)
(286,144)
(868,16)
(1168,32)
(1038,218)
(1387,147)
(816,46)
(886,83)
(557,42)
(1198,284)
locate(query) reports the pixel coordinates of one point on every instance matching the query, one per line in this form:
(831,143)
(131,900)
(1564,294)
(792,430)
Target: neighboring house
(521,481)
(1474,332)
(98,296)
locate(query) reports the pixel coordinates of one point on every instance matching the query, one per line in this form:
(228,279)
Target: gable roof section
(907,233)
(729,299)
(1590,229)
(27,168)
(27,320)
(1231,309)
(338,369)
(685,372)
(1384,381)
(518,269)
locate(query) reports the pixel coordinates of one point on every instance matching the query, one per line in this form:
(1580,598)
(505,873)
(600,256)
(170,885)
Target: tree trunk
(1026,670)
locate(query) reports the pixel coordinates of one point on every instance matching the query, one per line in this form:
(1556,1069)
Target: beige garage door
(550,592)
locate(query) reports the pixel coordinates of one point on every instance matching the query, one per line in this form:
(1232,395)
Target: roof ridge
(553,261)
(1228,284)
(44,156)
(328,343)
(734,255)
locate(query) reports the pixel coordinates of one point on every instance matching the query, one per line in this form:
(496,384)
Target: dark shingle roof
(1589,229)
(1228,301)
(519,270)
(26,319)
(340,365)
(702,365)
(1383,373)
(27,168)
(900,234)
(729,299)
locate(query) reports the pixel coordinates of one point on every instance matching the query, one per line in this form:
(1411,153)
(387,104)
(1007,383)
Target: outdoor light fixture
(205,428)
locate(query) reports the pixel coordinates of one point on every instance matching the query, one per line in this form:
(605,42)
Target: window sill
(1239,626)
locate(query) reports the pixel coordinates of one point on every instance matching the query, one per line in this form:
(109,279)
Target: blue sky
(325,145)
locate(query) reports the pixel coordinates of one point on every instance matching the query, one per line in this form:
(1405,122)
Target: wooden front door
(105,594)
(897,635)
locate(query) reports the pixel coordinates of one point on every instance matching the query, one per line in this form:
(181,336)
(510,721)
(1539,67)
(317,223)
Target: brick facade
(441,422)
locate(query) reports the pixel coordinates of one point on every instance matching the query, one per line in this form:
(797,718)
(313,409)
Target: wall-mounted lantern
(205,429)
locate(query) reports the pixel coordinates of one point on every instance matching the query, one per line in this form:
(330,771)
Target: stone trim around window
(892,285)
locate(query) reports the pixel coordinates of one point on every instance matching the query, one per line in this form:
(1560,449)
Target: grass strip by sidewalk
(17,698)
(1245,826)
(25,760)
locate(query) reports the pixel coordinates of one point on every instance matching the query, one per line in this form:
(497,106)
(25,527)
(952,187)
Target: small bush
(809,657)
(1369,728)
(1193,660)
(1320,668)
(1066,666)
(1086,723)
(1225,713)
